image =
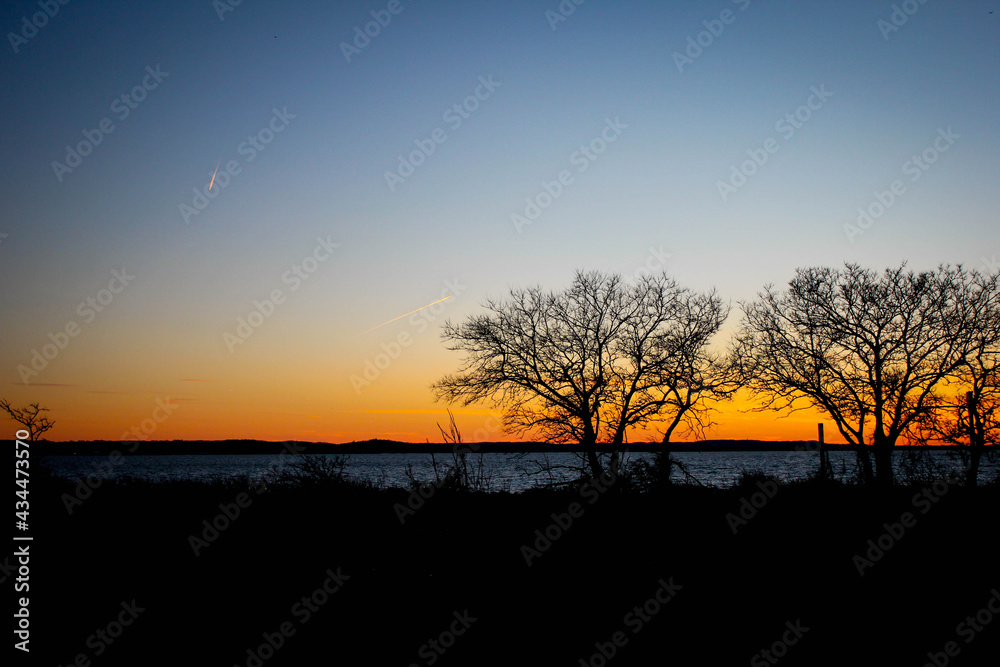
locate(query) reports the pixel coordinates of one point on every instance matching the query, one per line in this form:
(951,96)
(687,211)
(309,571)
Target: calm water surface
(510,471)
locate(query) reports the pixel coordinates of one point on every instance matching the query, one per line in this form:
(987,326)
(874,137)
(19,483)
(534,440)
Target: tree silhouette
(969,415)
(591,363)
(692,373)
(868,349)
(30,417)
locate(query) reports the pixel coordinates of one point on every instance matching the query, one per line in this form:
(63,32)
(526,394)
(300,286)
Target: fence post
(824,461)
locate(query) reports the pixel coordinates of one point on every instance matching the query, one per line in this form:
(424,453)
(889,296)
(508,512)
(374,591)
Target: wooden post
(824,464)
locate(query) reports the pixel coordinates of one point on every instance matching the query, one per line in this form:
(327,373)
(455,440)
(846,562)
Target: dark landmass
(219,569)
(104,447)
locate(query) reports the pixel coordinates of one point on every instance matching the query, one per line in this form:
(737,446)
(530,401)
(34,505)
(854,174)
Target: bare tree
(589,364)
(868,349)
(693,377)
(968,413)
(30,417)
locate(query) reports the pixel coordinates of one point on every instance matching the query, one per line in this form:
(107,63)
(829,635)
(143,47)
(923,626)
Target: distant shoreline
(216,447)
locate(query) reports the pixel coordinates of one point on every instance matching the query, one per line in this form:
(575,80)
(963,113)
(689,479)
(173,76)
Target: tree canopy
(589,364)
(871,350)
(30,416)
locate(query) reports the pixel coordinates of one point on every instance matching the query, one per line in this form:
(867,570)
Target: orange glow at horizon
(236,410)
(270,390)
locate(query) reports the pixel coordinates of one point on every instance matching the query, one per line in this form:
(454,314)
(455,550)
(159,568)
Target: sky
(369,158)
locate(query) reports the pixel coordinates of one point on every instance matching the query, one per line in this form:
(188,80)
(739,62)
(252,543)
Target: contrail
(410,313)
(214,173)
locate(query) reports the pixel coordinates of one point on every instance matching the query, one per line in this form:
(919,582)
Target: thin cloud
(290,414)
(441,411)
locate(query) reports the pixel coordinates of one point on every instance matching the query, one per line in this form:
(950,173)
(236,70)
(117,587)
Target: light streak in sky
(410,313)
(214,173)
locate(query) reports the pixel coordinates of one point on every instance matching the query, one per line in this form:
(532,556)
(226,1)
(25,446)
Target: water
(509,471)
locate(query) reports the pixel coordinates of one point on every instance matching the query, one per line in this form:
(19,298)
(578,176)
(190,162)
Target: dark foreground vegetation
(759,567)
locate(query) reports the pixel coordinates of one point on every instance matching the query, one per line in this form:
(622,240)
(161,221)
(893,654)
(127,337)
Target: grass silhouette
(461,551)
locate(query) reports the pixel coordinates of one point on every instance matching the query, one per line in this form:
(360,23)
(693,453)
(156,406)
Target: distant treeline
(105,447)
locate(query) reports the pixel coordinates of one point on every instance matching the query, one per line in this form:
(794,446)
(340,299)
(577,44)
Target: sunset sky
(729,142)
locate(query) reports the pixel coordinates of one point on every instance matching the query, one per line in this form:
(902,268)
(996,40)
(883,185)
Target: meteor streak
(410,313)
(214,173)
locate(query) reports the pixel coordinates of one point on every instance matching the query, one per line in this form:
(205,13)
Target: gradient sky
(652,197)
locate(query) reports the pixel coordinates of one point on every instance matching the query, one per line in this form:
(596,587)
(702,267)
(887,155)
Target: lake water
(509,471)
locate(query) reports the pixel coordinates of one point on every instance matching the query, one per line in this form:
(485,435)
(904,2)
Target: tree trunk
(977,439)
(883,446)
(972,474)
(864,458)
(670,430)
(863,453)
(589,442)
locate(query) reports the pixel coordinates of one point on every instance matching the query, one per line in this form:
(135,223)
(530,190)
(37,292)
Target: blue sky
(344,124)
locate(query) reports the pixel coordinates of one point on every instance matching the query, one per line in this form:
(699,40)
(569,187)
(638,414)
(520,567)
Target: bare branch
(30,417)
(592,363)
(872,351)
